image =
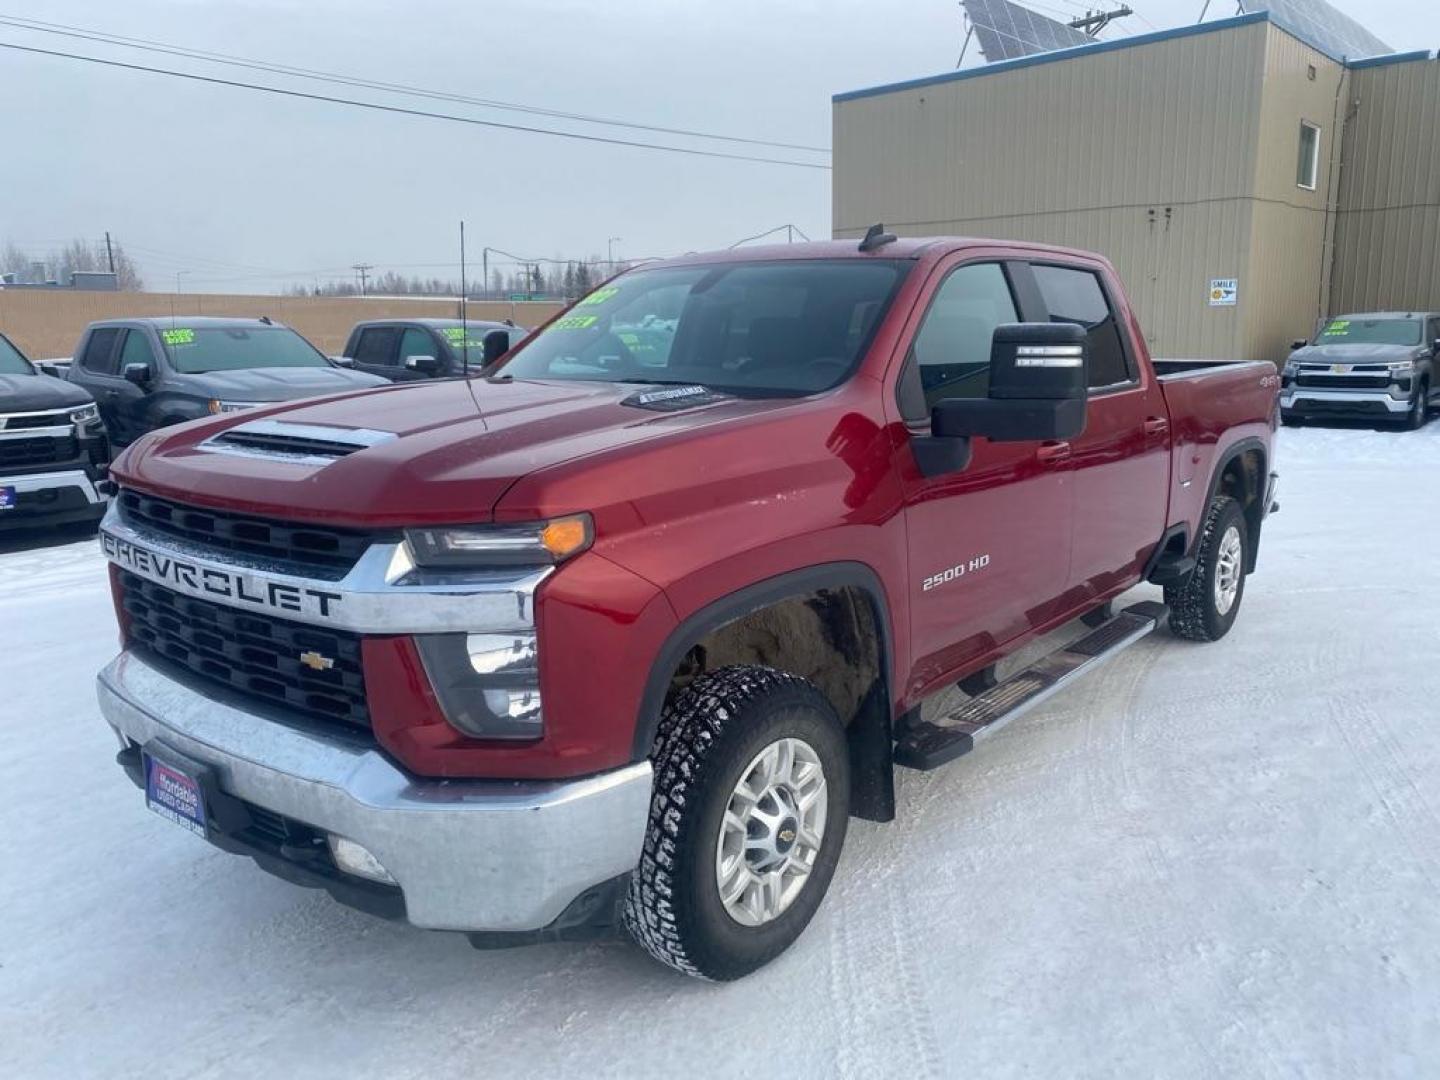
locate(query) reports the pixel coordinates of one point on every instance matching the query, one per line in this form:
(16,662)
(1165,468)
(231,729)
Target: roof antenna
(876,237)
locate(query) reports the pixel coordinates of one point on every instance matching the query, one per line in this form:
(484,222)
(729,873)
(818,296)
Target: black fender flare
(743,602)
(1241,447)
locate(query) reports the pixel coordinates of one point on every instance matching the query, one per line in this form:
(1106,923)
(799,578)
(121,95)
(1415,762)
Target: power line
(150,45)
(401,111)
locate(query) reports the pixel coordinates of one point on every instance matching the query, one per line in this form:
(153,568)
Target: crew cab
(629,627)
(154,372)
(403,350)
(53,450)
(1377,366)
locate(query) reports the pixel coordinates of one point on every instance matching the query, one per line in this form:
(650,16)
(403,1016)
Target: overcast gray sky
(246,192)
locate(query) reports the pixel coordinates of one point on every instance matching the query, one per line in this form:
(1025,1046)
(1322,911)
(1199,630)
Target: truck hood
(36,393)
(277,383)
(1355,354)
(440,452)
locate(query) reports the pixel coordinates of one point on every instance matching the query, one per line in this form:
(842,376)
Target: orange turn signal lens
(566,536)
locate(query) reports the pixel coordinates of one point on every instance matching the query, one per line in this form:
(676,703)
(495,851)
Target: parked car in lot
(53,450)
(606,635)
(404,350)
(154,372)
(1378,366)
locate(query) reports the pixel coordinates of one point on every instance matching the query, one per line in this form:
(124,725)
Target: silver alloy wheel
(1229,560)
(771,833)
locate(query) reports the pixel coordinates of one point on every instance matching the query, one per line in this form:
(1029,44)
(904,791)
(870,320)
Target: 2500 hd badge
(216,581)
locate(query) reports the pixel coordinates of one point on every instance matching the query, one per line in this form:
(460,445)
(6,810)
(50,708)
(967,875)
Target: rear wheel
(1203,607)
(751,802)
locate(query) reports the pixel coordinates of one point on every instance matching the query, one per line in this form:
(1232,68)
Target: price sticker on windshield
(599,296)
(575,322)
(182,336)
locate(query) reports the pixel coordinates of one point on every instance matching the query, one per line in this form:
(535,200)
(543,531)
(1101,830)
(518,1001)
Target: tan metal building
(1202,161)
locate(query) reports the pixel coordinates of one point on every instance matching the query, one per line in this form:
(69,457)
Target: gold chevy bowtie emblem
(787,835)
(315,662)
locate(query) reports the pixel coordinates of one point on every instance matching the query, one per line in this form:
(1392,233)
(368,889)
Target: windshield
(775,329)
(198,349)
(11,360)
(1371,332)
(471,339)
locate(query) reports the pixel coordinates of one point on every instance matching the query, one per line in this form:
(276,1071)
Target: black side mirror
(497,344)
(1298,343)
(426,365)
(139,374)
(1038,391)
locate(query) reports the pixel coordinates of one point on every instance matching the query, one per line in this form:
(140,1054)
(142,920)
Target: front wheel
(748,816)
(1419,408)
(1203,606)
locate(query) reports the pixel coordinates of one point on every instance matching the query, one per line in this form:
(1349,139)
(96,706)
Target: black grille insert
(38,420)
(253,653)
(40,450)
(1344,382)
(326,551)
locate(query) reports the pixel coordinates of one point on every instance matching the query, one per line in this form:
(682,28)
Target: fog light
(354,859)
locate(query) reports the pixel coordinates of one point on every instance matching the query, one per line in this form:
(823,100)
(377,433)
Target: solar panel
(1006,31)
(1332,32)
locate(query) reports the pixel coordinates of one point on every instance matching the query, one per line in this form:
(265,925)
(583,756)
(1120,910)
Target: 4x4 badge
(316,662)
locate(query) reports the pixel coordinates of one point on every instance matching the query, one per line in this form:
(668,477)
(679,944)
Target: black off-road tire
(707,736)
(1194,614)
(1419,409)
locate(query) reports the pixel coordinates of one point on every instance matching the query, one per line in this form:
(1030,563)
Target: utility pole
(363,269)
(109,252)
(610,251)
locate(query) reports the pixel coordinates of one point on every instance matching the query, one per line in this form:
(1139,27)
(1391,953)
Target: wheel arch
(868,723)
(1241,472)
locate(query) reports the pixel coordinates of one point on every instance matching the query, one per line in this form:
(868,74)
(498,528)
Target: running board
(932,743)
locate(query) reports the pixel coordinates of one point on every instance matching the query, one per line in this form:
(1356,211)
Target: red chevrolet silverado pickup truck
(627,627)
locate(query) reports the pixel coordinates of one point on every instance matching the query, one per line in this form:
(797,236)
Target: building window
(1309,168)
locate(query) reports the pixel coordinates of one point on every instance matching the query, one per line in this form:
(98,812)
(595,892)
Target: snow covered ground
(1205,861)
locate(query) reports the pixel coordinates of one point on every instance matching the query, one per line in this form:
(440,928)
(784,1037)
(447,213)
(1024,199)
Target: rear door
(95,369)
(1120,465)
(989,545)
(377,351)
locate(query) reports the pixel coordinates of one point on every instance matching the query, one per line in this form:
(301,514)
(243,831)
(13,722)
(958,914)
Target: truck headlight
(529,544)
(1402,367)
(488,685)
(84,415)
(219,406)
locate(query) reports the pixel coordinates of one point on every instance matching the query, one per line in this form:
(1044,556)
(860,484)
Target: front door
(989,545)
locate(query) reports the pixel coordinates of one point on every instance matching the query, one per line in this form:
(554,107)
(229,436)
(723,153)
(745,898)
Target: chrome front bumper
(1293,396)
(468,855)
(68,478)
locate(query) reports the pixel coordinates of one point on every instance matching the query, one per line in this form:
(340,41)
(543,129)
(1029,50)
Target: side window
(136,350)
(377,346)
(1432,332)
(1075,296)
(99,355)
(951,351)
(417,343)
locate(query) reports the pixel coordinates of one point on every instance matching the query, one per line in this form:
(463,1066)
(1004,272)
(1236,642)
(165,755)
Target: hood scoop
(301,444)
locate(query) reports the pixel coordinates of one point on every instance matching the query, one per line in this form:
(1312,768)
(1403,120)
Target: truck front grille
(41,450)
(27,421)
(311,550)
(1343,382)
(306,669)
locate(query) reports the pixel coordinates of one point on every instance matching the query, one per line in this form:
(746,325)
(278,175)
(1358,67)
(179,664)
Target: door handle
(1156,425)
(1053,451)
